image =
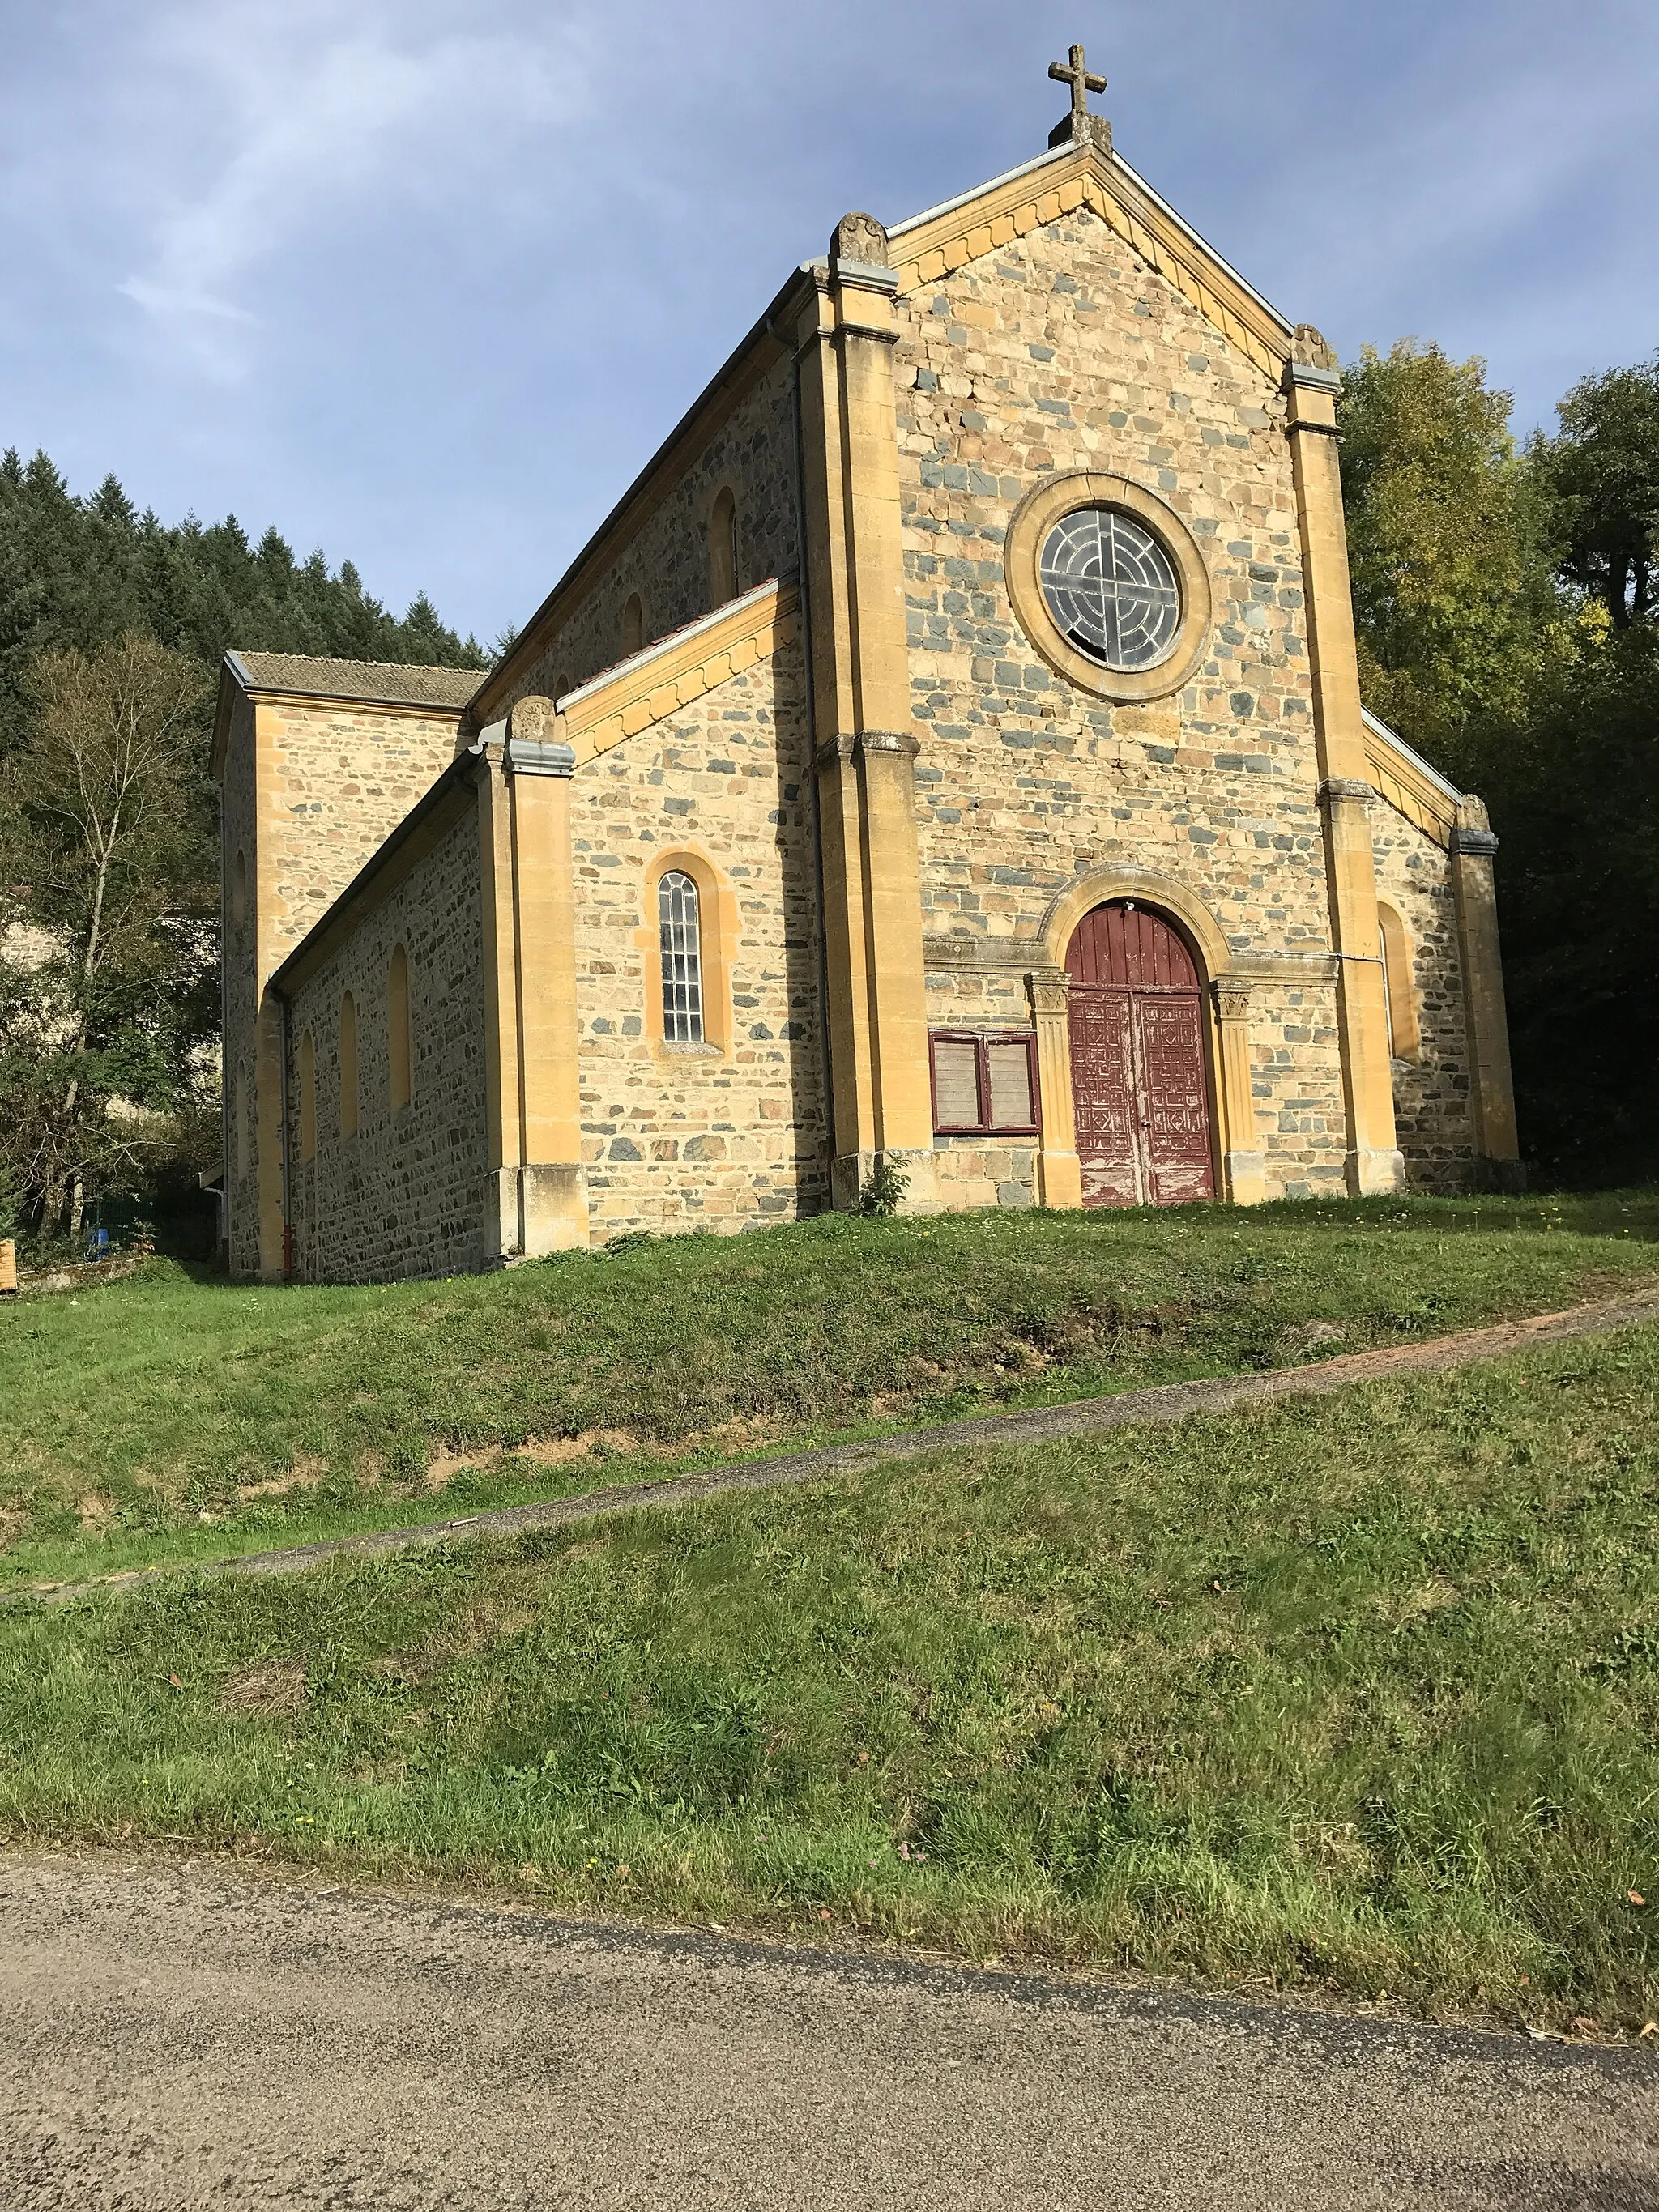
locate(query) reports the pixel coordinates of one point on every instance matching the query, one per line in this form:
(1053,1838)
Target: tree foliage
(113,625)
(1504,600)
(1604,468)
(1449,536)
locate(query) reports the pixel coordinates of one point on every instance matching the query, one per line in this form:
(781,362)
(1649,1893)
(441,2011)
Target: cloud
(318,113)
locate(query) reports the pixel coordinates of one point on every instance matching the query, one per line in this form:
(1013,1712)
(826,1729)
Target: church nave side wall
(1062,352)
(1432,1112)
(733,1135)
(405,1196)
(666,560)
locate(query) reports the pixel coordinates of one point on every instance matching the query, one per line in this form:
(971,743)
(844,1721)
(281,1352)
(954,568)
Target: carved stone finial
(531,719)
(861,238)
(1310,349)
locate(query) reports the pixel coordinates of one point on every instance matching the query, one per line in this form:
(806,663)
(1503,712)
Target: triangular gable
(932,244)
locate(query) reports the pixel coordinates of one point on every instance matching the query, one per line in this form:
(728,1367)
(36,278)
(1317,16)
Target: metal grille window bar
(682,959)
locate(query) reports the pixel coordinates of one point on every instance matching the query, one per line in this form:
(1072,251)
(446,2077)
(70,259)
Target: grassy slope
(1363,1693)
(164,1414)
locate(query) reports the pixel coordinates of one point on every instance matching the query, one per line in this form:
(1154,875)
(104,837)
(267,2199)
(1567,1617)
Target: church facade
(944,770)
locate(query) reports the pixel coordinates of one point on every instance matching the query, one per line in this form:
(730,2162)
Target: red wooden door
(1137,1077)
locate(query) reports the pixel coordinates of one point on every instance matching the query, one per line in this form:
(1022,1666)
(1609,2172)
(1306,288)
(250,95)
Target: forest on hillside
(112,626)
(1507,598)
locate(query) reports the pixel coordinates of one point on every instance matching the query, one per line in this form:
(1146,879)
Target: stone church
(946,759)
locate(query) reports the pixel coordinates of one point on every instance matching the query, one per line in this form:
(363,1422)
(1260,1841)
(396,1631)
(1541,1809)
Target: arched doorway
(1141,1093)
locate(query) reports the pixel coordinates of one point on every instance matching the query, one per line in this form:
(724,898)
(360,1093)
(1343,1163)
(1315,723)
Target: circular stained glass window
(1111,588)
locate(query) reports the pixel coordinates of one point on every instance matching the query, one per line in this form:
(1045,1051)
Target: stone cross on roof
(1079,125)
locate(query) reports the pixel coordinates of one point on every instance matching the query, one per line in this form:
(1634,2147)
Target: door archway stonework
(1226,1006)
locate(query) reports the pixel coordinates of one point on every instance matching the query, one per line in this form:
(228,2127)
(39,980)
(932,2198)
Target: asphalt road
(176,2035)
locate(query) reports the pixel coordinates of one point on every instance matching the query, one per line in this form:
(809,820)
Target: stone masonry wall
(405,1196)
(678,1137)
(1063,351)
(666,560)
(1433,1111)
(337,781)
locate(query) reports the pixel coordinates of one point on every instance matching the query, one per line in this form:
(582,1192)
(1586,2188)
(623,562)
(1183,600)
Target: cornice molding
(1086,177)
(678,670)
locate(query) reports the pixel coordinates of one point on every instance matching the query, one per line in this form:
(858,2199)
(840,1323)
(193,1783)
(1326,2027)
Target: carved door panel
(1175,1113)
(1104,1095)
(1138,1064)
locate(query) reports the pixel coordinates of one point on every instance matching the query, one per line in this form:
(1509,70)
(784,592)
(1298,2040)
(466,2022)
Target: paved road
(183,2035)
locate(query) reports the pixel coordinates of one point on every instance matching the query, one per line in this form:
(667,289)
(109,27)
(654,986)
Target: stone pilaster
(1059,1178)
(552,1196)
(1373,1160)
(865,748)
(1243,1174)
(1497,1143)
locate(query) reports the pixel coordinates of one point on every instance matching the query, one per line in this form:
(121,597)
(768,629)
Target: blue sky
(425,282)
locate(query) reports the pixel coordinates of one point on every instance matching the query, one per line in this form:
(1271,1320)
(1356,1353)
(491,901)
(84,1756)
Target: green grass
(1359,1694)
(167,1417)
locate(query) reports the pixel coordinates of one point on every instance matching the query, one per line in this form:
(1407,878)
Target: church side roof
(1411,785)
(378,683)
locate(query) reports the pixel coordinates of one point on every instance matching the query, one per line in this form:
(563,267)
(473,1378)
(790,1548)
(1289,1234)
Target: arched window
(238,888)
(400,1041)
(1404,1040)
(348,1066)
(723,549)
(681,958)
(633,625)
(307,1096)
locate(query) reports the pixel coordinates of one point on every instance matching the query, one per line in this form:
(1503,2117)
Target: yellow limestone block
(744,655)
(691,687)
(1002,230)
(635,717)
(956,253)
(930,266)
(1025,218)
(663,700)
(1048,207)
(979,242)
(715,671)
(909,276)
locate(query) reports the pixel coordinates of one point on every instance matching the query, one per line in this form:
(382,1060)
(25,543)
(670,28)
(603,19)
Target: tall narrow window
(723,550)
(633,625)
(307,1096)
(682,959)
(348,1066)
(400,1041)
(1405,1042)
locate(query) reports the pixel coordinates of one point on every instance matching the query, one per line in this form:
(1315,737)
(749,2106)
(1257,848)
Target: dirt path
(1168,1401)
(183,2034)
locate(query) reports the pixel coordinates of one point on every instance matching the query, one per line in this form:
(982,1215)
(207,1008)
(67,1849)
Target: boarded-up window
(307,1096)
(984,1083)
(633,625)
(400,1037)
(1008,1063)
(956,1084)
(348,1066)
(723,550)
(1398,984)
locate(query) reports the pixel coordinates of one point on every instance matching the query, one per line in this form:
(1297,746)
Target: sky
(426,281)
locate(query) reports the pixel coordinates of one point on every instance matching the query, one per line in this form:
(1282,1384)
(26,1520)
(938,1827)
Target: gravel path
(1168,1401)
(183,2034)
